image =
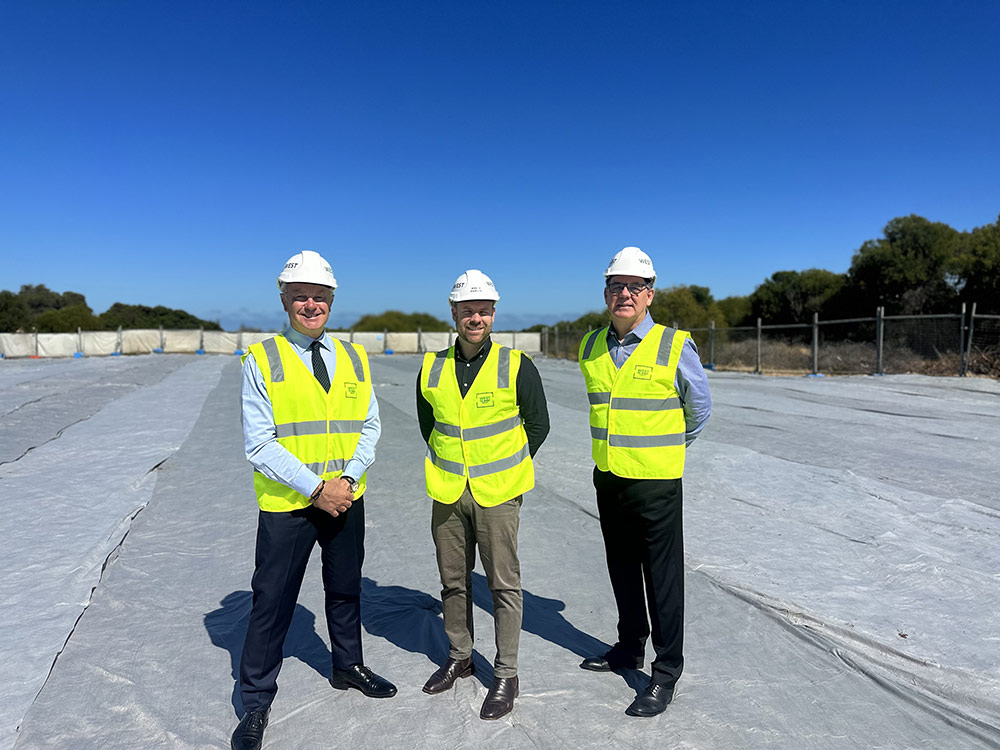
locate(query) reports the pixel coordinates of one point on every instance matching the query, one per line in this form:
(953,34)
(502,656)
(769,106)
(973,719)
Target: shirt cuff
(354,468)
(305,482)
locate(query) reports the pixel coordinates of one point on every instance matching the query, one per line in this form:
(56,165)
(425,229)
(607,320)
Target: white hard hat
(473,285)
(307,267)
(631,261)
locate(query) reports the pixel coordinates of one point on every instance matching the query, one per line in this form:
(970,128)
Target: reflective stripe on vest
(323,445)
(478,440)
(637,422)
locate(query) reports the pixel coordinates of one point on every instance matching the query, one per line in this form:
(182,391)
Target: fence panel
(140,341)
(786,349)
(735,349)
(563,343)
(928,344)
(181,342)
(401,343)
(984,348)
(436,341)
(58,344)
(847,347)
(98,343)
(17,344)
(220,342)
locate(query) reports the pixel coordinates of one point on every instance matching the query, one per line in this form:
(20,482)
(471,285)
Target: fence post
(385,340)
(420,349)
(556,332)
(711,344)
(815,343)
(79,340)
(879,338)
(760,335)
(961,343)
(513,339)
(36,342)
(545,341)
(972,330)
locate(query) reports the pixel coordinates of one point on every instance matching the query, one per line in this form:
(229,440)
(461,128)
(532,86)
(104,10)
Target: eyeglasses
(615,288)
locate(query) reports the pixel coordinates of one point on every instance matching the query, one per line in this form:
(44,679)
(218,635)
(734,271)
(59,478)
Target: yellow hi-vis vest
(479,439)
(636,418)
(320,429)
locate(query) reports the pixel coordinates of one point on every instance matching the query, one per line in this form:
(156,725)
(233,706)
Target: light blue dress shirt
(691,381)
(260,441)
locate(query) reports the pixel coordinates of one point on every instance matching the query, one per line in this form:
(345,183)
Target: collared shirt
(260,440)
(530,396)
(691,382)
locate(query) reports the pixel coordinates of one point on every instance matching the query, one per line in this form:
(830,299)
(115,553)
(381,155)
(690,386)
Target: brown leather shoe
(445,677)
(500,700)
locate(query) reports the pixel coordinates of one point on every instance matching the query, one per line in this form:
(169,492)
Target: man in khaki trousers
(483,415)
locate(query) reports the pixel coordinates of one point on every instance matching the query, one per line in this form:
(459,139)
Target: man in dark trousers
(649,399)
(483,415)
(310,424)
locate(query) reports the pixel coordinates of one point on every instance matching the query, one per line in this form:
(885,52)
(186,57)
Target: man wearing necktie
(310,424)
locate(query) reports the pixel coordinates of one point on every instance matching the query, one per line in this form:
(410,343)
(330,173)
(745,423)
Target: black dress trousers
(643,537)
(284,543)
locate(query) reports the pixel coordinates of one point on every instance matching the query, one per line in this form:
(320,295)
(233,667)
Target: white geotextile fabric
(80,442)
(841,538)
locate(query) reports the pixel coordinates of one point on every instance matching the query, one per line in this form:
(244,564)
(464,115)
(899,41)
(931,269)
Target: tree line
(917,267)
(37,308)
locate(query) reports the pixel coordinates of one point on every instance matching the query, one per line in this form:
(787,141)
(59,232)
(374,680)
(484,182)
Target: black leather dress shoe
(652,701)
(445,677)
(249,732)
(614,659)
(361,677)
(500,699)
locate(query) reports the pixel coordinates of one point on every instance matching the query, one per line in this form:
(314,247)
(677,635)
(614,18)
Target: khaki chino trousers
(457,529)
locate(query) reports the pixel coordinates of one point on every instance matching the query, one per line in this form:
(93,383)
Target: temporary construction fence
(945,344)
(197,341)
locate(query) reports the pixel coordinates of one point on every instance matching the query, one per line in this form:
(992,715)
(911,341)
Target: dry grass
(835,358)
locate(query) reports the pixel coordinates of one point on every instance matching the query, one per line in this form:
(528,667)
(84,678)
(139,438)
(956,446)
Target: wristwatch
(351,481)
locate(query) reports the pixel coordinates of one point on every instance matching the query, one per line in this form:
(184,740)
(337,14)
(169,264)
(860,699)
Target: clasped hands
(335,498)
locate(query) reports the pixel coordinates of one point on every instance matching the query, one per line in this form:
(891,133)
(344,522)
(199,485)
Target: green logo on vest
(350,390)
(484,400)
(642,372)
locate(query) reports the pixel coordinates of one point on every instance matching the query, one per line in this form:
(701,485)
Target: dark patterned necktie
(319,368)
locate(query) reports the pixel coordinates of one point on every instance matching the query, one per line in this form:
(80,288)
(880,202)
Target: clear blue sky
(176,153)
